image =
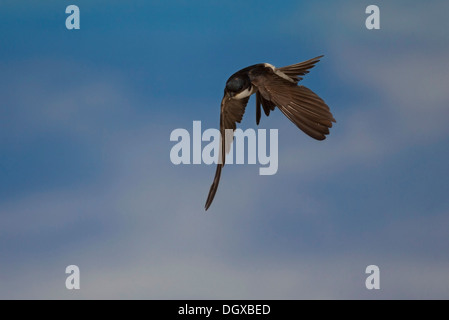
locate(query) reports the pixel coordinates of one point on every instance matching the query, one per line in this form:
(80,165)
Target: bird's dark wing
(266,105)
(295,71)
(232,111)
(303,107)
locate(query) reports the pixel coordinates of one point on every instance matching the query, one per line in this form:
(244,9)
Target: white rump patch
(279,72)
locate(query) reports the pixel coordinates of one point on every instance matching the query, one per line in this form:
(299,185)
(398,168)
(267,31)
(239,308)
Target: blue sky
(86,177)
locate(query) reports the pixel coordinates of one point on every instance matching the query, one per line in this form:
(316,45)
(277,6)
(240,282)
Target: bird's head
(235,85)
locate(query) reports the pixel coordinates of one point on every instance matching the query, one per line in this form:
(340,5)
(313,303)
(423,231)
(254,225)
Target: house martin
(274,87)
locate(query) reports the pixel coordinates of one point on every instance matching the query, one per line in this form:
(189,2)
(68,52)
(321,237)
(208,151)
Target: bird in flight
(274,87)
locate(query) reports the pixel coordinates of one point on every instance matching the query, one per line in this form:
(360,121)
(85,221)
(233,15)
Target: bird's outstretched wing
(294,71)
(232,111)
(302,106)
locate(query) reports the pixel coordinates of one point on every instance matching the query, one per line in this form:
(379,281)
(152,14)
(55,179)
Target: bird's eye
(235,84)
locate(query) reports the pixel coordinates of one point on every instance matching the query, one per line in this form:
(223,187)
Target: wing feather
(232,111)
(295,71)
(298,103)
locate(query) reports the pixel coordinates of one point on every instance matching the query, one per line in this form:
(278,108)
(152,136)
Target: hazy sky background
(86,177)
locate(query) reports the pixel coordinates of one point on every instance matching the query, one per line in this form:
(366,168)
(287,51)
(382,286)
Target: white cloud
(156,242)
(191,276)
